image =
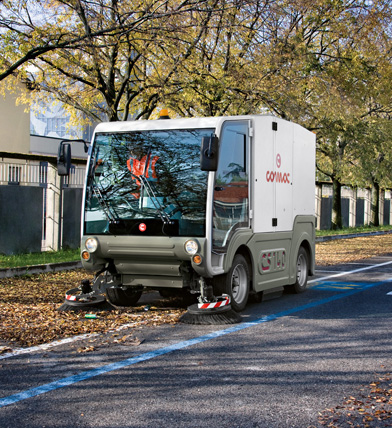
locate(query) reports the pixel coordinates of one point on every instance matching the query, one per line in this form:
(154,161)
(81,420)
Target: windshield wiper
(155,201)
(109,212)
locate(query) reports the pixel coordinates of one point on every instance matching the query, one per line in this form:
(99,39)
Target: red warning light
(142,227)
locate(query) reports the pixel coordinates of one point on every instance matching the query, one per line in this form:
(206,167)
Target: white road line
(361,264)
(46,346)
(350,272)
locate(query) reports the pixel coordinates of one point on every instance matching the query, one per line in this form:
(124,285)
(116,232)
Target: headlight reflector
(91,244)
(191,247)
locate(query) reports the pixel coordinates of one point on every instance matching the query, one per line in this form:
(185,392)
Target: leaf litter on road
(29,313)
(370,408)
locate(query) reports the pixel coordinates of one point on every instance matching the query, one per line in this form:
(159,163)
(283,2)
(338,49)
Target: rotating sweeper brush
(213,313)
(82,298)
(210,310)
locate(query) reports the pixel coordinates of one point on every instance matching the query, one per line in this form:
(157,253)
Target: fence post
(53,215)
(353,208)
(381,207)
(367,207)
(319,195)
(390,206)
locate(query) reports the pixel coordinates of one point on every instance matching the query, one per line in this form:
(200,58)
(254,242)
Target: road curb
(36,269)
(352,235)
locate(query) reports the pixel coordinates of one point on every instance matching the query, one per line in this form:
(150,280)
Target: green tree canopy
(325,64)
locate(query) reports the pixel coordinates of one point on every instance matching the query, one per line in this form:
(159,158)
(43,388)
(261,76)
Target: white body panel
(283,174)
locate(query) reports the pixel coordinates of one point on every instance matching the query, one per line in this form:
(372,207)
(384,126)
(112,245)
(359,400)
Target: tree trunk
(375,204)
(336,204)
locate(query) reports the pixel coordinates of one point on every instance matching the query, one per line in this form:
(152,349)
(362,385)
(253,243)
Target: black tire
(302,268)
(168,293)
(123,297)
(235,283)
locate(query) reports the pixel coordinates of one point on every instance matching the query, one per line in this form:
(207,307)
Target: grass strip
(45,257)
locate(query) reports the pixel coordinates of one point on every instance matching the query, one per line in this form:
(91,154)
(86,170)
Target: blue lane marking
(338,286)
(33,392)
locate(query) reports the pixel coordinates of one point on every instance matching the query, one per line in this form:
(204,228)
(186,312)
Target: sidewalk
(352,235)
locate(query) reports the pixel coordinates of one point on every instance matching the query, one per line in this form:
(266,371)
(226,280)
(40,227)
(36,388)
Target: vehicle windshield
(147,182)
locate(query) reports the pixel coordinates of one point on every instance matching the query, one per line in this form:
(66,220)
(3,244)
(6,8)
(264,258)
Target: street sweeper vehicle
(220,207)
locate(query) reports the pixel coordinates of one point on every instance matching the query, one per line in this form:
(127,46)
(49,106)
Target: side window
(231,207)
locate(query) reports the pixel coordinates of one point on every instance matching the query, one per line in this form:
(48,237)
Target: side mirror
(64,159)
(209,153)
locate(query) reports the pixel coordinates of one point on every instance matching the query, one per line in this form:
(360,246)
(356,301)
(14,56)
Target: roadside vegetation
(339,251)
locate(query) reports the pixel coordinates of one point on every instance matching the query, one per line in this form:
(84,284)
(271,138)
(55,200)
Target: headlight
(191,247)
(91,244)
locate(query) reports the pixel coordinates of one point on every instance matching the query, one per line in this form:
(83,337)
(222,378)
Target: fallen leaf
(84,349)
(4,349)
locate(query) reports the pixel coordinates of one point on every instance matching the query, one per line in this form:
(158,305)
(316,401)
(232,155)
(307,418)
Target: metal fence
(356,205)
(22,174)
(39,211)
(36,174)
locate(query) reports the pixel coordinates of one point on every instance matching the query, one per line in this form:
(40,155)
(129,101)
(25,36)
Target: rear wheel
(235,283)
(123,296)
(302,272)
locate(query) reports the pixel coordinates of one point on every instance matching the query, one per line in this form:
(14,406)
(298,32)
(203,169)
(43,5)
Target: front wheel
(119,296)
(235,283)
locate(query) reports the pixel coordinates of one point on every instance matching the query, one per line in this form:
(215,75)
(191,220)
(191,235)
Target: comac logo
(277,176)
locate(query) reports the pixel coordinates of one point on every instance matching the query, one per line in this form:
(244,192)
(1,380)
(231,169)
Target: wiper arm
(110,213)
(154,199)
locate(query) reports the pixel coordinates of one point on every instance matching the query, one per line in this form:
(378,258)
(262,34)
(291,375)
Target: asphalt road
(287,361)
